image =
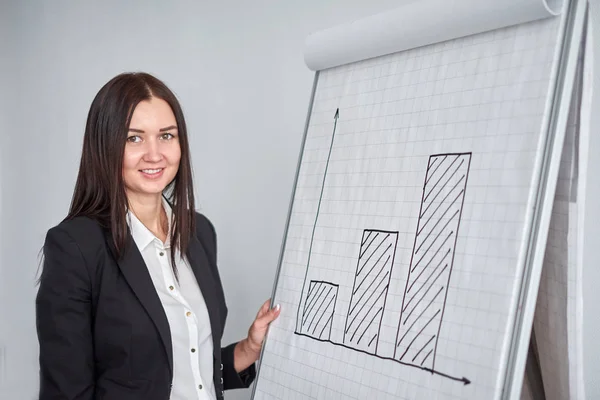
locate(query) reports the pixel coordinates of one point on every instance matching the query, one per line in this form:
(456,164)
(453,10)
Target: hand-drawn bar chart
(432,258)
(317,316)
(369,292)
(427,279)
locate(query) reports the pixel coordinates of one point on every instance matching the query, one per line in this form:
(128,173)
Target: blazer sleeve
(63,321)
(231,378)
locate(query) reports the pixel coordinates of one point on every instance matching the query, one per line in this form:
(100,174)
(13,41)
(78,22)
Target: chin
(146,187)
(147,190)
(158,189)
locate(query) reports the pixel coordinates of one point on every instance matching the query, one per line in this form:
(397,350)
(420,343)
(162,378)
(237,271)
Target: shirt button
(171,288)
(188,313)
(193,350)
(161,254)
(200,387)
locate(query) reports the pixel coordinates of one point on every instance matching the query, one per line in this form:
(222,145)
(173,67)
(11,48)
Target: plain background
(238,70)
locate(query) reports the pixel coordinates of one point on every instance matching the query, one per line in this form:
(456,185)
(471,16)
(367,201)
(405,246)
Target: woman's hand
(248,350)
(258,329)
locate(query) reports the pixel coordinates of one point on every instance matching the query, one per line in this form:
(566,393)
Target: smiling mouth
(151,171)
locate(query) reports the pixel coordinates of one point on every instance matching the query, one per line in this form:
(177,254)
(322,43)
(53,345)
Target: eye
(133,138)
(167,136)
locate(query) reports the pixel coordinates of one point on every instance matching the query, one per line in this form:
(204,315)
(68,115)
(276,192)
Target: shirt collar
(142,235)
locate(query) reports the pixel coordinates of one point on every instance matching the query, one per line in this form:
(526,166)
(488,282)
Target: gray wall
(8,91)
(238,69)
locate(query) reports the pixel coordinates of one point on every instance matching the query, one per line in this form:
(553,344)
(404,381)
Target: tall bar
(432,259)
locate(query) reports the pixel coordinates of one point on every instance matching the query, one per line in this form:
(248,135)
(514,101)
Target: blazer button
(221,367)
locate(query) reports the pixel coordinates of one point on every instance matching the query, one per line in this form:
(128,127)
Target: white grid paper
(483,94)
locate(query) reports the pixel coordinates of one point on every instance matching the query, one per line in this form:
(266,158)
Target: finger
(268,316)
(266,306)
(263,309)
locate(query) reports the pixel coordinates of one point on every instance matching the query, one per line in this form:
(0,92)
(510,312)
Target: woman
(130,303)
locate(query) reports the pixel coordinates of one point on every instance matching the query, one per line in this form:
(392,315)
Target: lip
(153,176)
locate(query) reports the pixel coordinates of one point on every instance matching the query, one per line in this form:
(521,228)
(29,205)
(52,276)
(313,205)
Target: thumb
(270,315)
(264,309)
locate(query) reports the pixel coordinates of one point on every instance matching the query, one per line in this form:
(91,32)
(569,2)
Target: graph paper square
(377,128)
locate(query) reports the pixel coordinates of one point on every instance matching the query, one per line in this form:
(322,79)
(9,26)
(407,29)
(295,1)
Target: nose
(152,153)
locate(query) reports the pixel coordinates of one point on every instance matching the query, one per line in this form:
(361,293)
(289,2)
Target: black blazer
(101,328)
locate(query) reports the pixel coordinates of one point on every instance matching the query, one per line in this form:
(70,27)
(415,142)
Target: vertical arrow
(335,117)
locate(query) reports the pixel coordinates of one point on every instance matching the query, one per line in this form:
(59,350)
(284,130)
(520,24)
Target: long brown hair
(100,191)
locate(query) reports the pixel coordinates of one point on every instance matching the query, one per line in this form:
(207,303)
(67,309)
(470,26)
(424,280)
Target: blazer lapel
(136,273)
(200,265)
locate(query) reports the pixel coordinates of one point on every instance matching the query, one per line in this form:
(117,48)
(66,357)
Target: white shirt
(186,312)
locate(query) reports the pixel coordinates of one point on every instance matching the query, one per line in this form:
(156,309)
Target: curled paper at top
(419,23)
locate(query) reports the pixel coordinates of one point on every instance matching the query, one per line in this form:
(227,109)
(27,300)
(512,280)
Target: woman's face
(152,151)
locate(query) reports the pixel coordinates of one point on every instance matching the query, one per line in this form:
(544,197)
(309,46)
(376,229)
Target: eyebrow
(168,128)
